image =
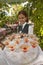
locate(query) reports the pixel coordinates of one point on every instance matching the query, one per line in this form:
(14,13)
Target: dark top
(24,30)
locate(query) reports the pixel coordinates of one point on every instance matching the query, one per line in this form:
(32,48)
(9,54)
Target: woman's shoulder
(27,23)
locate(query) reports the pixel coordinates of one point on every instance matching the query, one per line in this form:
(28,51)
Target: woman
(23,22)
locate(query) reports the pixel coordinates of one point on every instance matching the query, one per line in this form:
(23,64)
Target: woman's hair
(24,13)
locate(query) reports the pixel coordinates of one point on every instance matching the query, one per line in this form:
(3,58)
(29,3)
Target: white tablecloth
(39,60)
(3,60)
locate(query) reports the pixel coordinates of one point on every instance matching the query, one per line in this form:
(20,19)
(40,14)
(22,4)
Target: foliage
(11,17)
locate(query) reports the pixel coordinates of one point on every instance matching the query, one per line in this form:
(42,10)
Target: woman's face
(22,19)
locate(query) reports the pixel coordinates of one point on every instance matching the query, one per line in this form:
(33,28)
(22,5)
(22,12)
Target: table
(8,57)
(39,60)
(3,60)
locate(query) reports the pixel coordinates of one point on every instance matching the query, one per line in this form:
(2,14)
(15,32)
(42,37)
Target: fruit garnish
(25,48)
(11,37)
(10,46)
(31,36)
(17,41)
(12,49)
(6,43)
(34,44)
(26,39)
(22,35)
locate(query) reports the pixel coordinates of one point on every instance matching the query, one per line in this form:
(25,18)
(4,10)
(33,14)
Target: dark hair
(24,13)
